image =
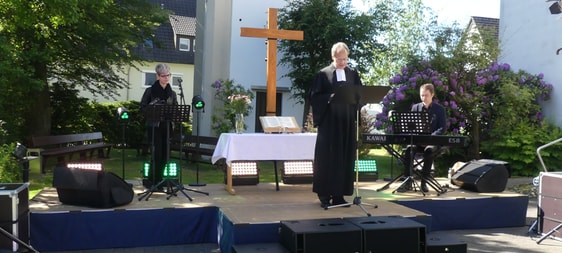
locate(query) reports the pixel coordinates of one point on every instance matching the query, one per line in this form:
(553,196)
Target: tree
(79,43)
(324,23)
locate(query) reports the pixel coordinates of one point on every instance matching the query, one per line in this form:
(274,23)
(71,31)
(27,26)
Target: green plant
(231,99)
(497,108)
(10,170)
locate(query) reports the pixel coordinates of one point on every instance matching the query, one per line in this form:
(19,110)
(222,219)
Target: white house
(176,47)
(530,37)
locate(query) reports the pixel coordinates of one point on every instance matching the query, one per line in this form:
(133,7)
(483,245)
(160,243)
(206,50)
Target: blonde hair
(429,87)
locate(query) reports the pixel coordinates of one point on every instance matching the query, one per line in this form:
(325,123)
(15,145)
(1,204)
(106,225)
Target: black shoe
(324,201)
(339,201)
(423,187)
(405,187)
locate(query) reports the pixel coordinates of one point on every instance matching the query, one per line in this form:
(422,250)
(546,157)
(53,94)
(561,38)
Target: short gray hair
(162,68)
(338,47)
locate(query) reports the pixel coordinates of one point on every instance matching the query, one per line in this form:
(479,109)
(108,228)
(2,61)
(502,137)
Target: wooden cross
(272,34)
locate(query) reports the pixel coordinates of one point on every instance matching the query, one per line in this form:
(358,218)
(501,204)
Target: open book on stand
(279,124)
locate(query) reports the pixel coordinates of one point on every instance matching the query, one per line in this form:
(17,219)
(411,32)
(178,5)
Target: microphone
(180,80)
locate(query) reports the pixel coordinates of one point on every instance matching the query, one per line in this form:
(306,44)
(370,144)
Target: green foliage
(10,169)
(499,110)
(325,23)
(518,146)
(81,43)
(224,111)
(106,120)
(70,112)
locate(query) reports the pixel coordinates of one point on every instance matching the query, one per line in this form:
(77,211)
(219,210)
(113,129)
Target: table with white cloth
(262,147)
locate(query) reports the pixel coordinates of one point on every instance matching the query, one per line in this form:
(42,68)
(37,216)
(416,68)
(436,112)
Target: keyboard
(406,139)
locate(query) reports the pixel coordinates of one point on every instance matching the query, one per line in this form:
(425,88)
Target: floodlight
(244,173)
(198,103)
(85,166)
(171,170)
(555,8)
(297,172)
(367,170)
(123,113)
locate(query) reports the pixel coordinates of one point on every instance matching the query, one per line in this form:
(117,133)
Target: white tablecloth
(261,146)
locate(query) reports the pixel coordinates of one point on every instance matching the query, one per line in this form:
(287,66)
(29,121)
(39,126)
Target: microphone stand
(197,183)
(182,102)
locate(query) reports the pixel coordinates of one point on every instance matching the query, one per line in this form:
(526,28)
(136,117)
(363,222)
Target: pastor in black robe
(334,154)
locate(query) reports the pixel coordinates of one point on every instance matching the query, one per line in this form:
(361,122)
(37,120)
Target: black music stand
(358,95)
(410,124)
(167,114)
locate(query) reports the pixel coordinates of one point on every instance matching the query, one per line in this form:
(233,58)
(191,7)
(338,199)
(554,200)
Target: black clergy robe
(334,154)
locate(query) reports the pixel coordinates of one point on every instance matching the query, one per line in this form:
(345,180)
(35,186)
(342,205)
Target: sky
(449,11)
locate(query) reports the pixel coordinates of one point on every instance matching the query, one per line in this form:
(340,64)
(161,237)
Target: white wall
(529,38)
(227,55)
(248,54)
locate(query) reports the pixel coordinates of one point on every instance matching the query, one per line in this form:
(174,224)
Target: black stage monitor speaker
(259,248)
(390,234)
(320,235)
(92,188)
(445,244)
(482,176)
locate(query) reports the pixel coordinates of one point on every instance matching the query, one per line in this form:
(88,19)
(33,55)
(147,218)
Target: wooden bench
(69,144)
(196,146)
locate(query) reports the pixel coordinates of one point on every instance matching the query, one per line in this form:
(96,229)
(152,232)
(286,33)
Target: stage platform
(253,215)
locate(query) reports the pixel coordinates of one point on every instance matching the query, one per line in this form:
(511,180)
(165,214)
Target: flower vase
(239,123)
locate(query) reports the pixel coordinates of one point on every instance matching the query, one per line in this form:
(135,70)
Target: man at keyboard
(438,126)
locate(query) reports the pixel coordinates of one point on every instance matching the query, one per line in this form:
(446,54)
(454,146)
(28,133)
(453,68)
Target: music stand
(357,95)
(167,114)
(411,123)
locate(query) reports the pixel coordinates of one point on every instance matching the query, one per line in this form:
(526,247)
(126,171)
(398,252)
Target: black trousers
(428,157)
(160,151)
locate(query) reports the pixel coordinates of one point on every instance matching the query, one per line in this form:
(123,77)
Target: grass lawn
(132,164)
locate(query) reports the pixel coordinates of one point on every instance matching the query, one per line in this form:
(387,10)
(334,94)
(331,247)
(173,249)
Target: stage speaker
(259,248)
(445,244)
(320,235)
(482,176)
(390,234)
(91,188)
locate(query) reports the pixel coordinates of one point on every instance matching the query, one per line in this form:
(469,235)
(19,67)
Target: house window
(150,78)
(148,43)
(184,44)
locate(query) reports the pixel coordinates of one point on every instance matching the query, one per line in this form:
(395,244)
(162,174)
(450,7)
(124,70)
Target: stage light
(85,166)
(244,173)
(170,171)
(146,170)
(198,103)
(123,113)
(367,170)
(555,8)
(297,172)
